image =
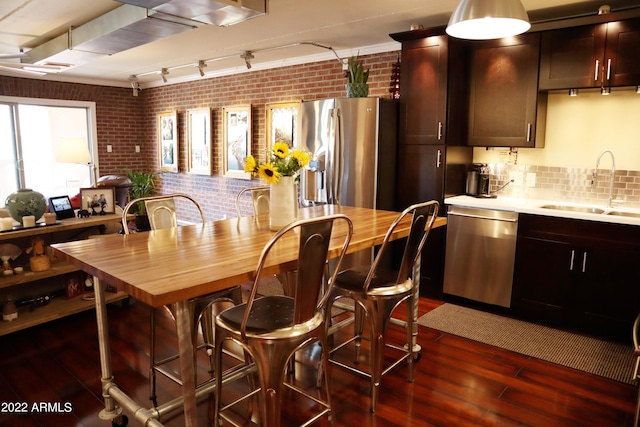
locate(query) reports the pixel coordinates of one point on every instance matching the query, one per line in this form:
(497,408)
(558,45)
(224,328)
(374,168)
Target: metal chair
(272,328)
(377,291)
(636,370)
(162,213)
(260,197)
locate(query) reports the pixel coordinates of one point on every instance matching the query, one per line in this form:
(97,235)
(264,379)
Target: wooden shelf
(29,276)
(57,308)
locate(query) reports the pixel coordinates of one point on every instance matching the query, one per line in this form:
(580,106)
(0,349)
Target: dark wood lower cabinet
(578,274)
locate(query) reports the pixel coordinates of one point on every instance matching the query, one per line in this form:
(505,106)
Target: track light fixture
(247,55)
(135,85)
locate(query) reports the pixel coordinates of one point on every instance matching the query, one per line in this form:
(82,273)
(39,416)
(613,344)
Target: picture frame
(236,142)
(282,123)
(168,140)
(98,201)
(199,141)
(73,285)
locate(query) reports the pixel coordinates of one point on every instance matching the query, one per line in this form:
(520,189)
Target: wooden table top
(161,267)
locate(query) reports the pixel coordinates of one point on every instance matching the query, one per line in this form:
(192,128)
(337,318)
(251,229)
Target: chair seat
(268,314)
(383,282)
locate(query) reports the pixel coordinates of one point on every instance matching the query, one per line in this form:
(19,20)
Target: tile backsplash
(571,185)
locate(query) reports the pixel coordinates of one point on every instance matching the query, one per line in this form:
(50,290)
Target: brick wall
(124,121)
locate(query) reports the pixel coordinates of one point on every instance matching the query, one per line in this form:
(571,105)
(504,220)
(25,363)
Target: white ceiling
(348,26)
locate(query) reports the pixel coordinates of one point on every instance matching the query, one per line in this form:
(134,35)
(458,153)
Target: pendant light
(488,19)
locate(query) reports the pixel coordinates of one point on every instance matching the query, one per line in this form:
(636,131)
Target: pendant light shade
(488,19)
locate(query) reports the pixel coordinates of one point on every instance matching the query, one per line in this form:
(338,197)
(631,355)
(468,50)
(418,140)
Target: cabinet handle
(439,131)
(529,127)
(573,256)
(595,76)
(609,69)
(584,262)
(439,160)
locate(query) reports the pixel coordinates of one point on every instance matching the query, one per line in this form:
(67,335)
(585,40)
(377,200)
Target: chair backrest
(314,236)
(260,198)
(636,349)
(162,211)
(424,216)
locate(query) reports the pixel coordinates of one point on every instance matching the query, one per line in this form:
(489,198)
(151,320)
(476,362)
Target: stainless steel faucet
(613,172)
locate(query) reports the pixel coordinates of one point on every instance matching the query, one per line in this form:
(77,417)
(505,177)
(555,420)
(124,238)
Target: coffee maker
(478,181)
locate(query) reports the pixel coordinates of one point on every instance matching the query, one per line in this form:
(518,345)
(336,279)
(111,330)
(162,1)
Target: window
(31,131)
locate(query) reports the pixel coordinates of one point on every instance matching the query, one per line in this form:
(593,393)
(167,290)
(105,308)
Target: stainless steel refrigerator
(353,146)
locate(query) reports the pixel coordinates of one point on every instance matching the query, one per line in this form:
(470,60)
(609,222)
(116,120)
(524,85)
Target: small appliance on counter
(478,181)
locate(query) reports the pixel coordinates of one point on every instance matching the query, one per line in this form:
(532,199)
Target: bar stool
(162,213)
(377,291)
(272,328)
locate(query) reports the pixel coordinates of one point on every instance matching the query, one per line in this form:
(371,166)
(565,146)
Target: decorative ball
(25,202)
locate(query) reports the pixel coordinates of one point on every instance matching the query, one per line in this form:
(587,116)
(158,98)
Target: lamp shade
(488,19)
(73,150)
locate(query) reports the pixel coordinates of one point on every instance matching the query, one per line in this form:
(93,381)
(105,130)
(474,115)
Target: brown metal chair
(377,291)
(272,328)
(636,370)
(163,213)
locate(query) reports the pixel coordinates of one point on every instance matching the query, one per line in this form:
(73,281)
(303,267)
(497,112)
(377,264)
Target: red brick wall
(125,121)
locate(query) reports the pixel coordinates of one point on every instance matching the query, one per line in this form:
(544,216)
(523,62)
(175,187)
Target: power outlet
(531,179)
(137,148)
(109,148)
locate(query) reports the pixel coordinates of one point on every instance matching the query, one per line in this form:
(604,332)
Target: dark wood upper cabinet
(591,56)
(423,91)
(505,108)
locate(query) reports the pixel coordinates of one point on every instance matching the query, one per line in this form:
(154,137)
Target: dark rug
(596,356)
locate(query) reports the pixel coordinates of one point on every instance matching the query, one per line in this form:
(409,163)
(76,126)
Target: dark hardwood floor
(458,382)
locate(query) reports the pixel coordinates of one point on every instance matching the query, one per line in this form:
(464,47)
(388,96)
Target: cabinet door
(423,91)
(572,57)
(543,279)
(622,57)
(608,294)
(420,174)
(420,178)
(504,92)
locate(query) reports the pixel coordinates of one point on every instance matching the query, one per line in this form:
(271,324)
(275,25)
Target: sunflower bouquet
(281,161)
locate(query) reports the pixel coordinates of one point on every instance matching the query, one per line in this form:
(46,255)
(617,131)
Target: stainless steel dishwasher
(480,254)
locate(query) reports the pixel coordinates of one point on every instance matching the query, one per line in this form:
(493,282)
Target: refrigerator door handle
(334,176)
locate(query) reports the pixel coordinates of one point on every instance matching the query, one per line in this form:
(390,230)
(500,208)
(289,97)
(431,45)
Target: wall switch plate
(137,148)
(109,148)
(531,179)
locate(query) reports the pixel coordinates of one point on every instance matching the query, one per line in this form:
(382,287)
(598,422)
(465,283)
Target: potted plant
(357,77)
(142,185)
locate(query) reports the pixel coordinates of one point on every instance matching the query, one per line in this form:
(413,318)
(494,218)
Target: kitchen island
(574,266)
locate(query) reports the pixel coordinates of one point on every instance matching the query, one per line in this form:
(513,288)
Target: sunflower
(280,150)
(250,164)
(302,157)
(269,173)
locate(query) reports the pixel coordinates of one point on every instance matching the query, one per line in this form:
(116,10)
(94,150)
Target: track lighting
(135,85)
(247,55)
(201,66)
(163,73)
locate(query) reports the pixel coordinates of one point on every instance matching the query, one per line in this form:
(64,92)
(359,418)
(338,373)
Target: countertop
(534,207)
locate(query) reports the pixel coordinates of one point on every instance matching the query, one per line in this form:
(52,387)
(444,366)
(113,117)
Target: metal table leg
(187,361)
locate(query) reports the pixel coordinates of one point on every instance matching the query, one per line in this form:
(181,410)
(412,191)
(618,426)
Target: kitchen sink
(583,209)
(629,214)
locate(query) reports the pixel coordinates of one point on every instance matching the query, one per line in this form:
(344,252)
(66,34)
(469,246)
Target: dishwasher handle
(483,217)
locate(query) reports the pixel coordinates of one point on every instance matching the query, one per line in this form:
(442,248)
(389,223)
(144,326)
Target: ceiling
(347,26)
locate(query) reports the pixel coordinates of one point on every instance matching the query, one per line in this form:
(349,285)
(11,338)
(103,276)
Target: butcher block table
(170,266)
